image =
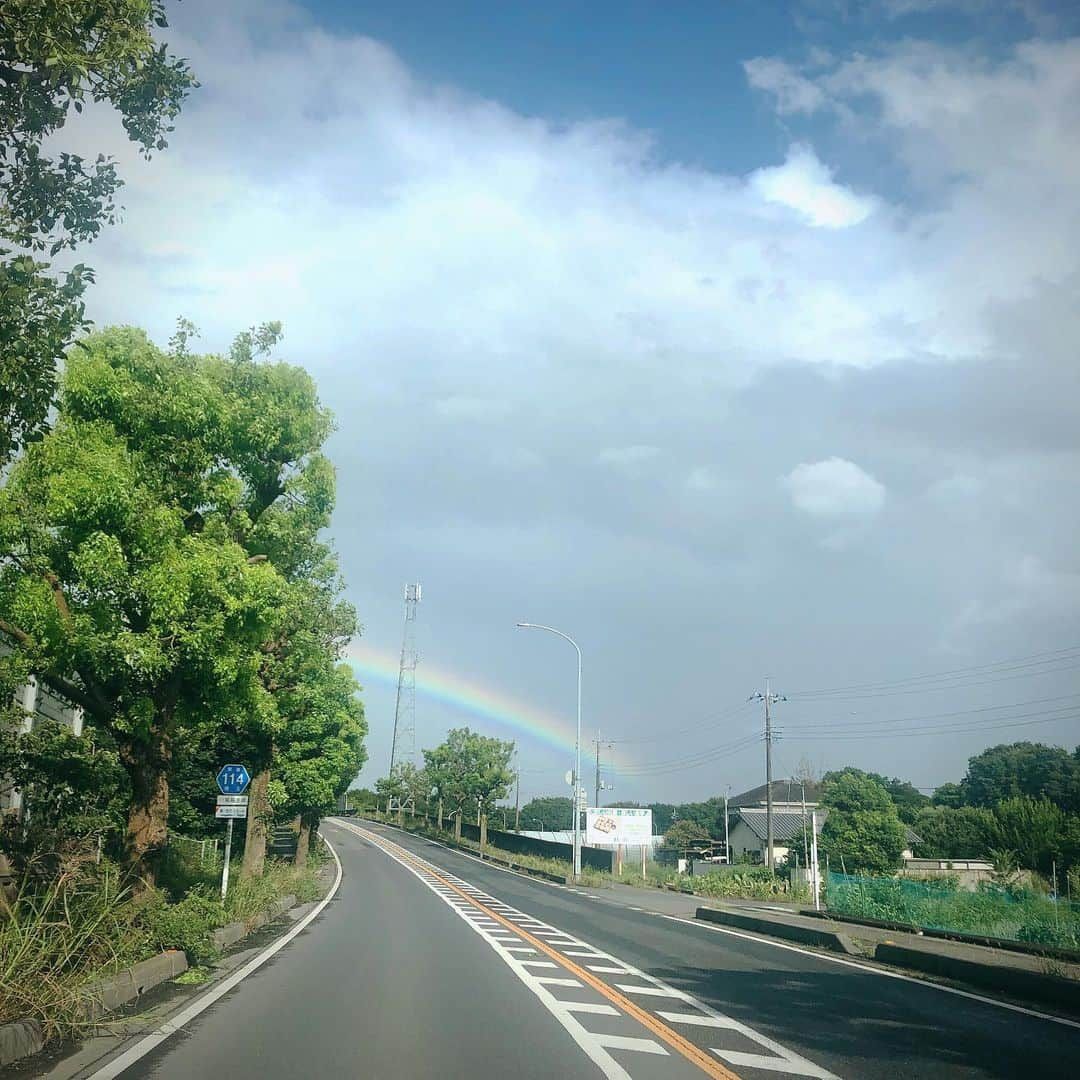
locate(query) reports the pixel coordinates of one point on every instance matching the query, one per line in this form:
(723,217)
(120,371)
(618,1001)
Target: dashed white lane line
(785,1060)
(697,1019)
(627,1042)
(648,991)
(770,1064)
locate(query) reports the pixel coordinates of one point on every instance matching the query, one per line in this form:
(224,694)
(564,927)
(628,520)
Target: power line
(696,726)
(840,725)
(1056,660)
(1040,718)
(692,760)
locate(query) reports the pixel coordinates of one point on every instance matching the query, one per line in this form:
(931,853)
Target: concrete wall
(528,845)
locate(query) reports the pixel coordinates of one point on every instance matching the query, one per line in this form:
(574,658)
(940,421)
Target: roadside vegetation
(162,562)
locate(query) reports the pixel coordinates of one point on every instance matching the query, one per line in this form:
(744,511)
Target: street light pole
(577,743)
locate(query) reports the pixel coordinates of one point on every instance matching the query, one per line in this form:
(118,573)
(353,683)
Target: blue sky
(733,339)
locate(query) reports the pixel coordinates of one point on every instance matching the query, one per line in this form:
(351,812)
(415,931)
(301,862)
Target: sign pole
(228,855)
(814,871)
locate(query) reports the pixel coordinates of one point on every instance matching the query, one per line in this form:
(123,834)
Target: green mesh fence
(989,911)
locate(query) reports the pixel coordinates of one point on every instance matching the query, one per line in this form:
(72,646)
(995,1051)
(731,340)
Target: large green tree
(1032,829)
(153,565)
(550,812)
(470,771)
(907,798)
(863,831)
(686,836)
(1023,768)
(55,57)
(965,832)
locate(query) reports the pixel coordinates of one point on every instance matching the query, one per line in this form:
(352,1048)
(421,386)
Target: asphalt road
(428,963)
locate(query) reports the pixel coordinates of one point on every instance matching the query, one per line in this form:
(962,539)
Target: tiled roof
(782,791)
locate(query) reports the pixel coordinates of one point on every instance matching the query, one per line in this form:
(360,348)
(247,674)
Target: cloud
(834,488)
(804,184)
(794,93)
(627,455)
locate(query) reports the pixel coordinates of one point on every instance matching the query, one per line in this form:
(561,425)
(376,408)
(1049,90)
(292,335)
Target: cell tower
(403,747)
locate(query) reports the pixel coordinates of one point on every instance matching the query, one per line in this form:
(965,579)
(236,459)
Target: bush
(187,925)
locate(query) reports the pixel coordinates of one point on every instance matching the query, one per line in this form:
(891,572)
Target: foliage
(989,911)
(1023,769)
(950,795)
(966,832)
(550,812)
(755,883)
(684,836)
(863,830)
(167,575)
(54,58)
(1031,828)
(470,769)
(907,798)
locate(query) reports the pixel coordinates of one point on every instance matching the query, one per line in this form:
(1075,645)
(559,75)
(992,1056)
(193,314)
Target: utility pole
(770,699)
(727,843)
(517,803)
(600,785)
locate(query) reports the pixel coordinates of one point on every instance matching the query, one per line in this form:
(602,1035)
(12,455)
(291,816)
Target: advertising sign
(618,825)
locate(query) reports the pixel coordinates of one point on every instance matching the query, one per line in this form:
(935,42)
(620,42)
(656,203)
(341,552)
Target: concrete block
(228,935)
(19,1039)
(990,974)
(774,927)
(125,986)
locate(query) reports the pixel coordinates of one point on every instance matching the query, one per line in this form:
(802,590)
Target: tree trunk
(483,833)
(303,841)
(147,764)
(457,826)
(257,821)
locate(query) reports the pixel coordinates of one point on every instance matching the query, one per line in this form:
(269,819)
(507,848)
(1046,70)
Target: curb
(20,1039)
(1016,982)
(131,983)
(823,939)
(23,1038)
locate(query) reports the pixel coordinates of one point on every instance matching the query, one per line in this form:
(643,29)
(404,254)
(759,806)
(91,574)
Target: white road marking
(696,1018)
(150,1042)
(555,980)
(590,1007)
(880,971)
(772,1064)
(626,1042)
(588,1041)
(519,948)
(540,963)
(607,970)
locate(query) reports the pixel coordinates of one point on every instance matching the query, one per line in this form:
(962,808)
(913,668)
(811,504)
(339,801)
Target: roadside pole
(815,876)
(643,862)
(228,856)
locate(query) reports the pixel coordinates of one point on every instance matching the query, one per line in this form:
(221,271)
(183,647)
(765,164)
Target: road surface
(428,963)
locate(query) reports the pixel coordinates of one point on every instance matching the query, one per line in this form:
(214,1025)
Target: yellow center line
(692,1053)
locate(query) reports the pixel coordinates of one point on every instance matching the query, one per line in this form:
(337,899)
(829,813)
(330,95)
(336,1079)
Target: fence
(201,853)
(990,911)
(530,845)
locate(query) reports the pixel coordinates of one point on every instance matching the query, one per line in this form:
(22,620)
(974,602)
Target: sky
(735,340)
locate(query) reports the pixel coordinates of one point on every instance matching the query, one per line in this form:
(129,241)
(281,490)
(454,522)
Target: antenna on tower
(403,746)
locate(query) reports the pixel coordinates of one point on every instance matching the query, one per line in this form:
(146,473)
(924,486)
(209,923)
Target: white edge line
(882,972)
(148,1043)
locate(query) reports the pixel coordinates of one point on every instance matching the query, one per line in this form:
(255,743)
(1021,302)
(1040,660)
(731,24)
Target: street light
(577,743)
(539,822)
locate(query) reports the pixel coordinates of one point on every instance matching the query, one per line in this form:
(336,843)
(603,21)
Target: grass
(990,911)
(83,921)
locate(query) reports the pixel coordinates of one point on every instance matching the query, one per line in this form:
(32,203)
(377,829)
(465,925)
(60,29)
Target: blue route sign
(233,779)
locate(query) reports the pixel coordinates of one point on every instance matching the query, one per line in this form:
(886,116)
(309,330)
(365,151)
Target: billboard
(618,825)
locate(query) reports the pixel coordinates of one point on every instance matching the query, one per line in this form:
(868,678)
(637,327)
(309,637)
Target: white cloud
(627,455)
(834,488)
(804,184)
(794,92)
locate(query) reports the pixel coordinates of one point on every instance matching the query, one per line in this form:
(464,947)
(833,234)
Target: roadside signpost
(232,803)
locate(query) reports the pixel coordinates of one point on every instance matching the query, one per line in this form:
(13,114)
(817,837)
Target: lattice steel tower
(403,747)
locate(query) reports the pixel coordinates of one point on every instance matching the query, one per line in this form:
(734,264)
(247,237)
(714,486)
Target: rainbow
(468,696)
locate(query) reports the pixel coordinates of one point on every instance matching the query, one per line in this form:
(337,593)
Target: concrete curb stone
(130,983)
(20,1039)
(823,939)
